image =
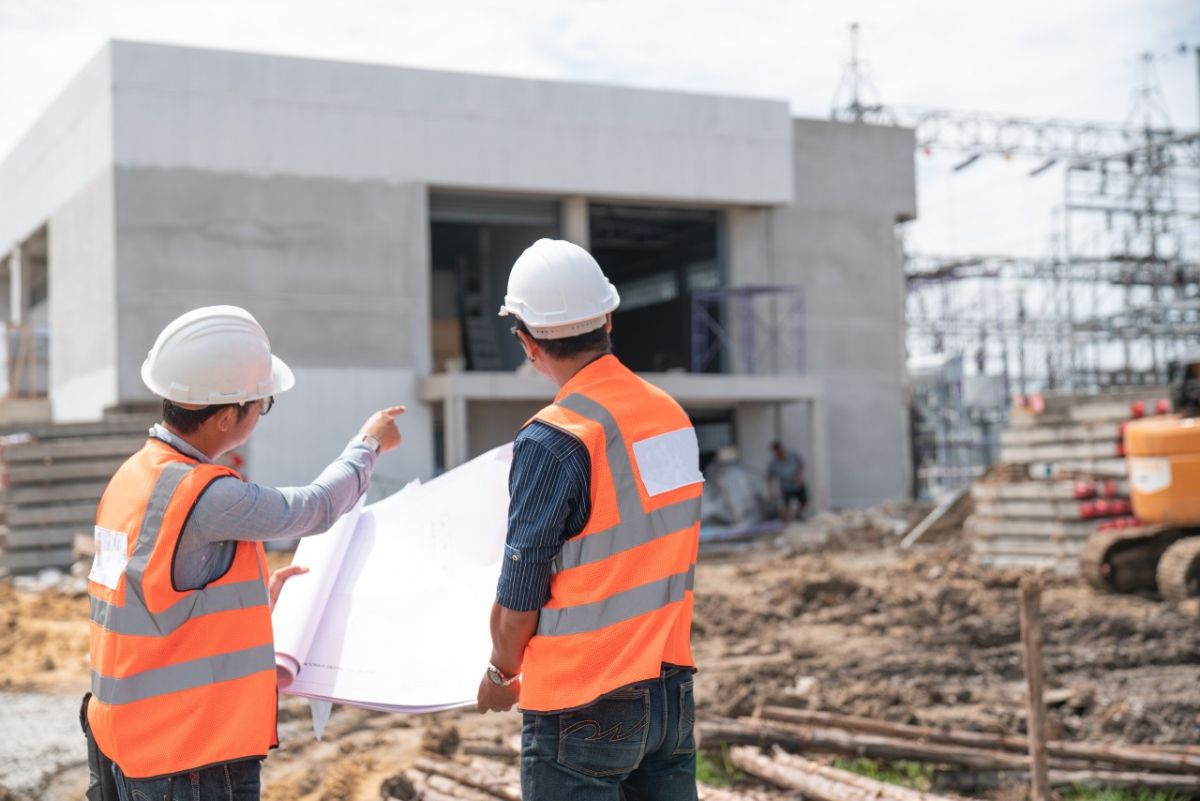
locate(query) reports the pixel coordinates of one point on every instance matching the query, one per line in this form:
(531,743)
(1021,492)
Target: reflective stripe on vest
(134,618)
(636,528)
(183,675)
(621,606)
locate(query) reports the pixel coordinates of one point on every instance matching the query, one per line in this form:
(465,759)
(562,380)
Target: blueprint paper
(397,614)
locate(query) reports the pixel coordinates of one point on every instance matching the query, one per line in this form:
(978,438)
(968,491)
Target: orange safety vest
(621,592)
(181,679)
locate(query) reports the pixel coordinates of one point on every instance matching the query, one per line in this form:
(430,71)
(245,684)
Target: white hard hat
(558,290)
(212,355)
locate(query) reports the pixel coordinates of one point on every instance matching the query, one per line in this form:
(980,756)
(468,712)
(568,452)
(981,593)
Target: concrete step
(1065,566)
(991,527)
(1069,432)
(1073,468)
(19,539)
(74,449)
(1016,546)
(44,494)
(1030,509)
(19,516)
(33,560)
(1035,490)
(119,425)
(1060,451)
(20,475)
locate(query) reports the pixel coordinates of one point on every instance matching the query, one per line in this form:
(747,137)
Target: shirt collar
(159,431)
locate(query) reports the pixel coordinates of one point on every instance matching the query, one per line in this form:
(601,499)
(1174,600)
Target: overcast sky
(1066,58)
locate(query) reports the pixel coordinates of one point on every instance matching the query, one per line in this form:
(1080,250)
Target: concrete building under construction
(367,216)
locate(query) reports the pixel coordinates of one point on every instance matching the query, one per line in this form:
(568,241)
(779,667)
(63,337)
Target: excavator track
(1178,571)
(1125,560)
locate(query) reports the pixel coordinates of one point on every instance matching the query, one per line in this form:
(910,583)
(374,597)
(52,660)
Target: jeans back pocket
(607,738)
(685,738)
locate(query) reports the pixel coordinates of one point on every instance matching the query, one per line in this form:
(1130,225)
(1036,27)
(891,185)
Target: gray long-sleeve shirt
(231,510)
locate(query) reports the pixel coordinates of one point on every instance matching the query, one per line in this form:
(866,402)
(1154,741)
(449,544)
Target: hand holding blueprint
(394,614)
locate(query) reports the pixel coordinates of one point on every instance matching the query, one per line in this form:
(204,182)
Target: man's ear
(608,323)
(531,347)
(226,419)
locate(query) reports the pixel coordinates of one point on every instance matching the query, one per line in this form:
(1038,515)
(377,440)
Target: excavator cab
(1163,457)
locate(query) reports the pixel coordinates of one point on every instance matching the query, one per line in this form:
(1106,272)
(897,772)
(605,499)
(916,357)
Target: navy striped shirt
(550,487)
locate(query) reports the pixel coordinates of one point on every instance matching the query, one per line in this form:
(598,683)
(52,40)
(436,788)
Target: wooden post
(1031,641)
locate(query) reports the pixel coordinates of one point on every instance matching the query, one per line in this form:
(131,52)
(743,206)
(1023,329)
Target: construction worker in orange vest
(592,621)
(183,698)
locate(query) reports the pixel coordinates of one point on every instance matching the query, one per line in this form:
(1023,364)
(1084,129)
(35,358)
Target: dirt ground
(858,628)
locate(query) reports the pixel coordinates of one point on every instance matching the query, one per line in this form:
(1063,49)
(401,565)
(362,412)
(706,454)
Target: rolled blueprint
(404,625)
(298,610)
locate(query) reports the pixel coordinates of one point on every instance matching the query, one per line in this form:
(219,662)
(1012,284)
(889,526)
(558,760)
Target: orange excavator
(1162,552)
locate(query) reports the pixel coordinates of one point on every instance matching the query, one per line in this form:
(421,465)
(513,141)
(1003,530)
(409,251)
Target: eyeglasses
(264,405)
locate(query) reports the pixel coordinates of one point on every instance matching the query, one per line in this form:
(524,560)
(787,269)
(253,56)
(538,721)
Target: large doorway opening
(656,257)
(474,241)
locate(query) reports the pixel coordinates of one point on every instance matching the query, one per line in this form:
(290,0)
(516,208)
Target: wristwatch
(499,677)
(371,441)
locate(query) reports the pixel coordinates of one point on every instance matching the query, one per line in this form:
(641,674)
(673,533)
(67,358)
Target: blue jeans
(228,781)
(634,744)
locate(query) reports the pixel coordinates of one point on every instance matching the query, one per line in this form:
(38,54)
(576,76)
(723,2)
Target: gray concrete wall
(269,115)
(837,241)
(336,271)
(69,145)
(82,304)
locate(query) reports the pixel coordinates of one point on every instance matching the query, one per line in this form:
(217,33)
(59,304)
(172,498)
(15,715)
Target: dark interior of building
(656,257)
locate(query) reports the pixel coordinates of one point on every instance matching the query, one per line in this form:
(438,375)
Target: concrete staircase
(54,482)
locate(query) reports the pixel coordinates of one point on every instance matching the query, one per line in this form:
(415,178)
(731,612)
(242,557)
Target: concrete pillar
(454,427)
(818,424)
(18,286)
(575,221)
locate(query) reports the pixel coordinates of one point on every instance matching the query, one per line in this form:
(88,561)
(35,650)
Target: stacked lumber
(798,731)
(54,479)
(436,778)
(1062,476)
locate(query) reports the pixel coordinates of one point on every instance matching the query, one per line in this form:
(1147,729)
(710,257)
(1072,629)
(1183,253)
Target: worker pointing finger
(182,648)
(380,430)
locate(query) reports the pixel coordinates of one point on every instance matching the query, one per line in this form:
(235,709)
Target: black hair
(596,341)
(186,421)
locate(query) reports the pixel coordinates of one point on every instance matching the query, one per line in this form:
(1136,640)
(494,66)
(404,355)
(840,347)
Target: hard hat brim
(282,379)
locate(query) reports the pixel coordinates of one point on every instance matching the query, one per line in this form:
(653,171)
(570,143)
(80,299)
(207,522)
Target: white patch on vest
(112,554)
(668,461)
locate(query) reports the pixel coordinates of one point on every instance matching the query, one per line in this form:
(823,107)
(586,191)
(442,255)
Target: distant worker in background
(591,629)
(183,700)
(786,470)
